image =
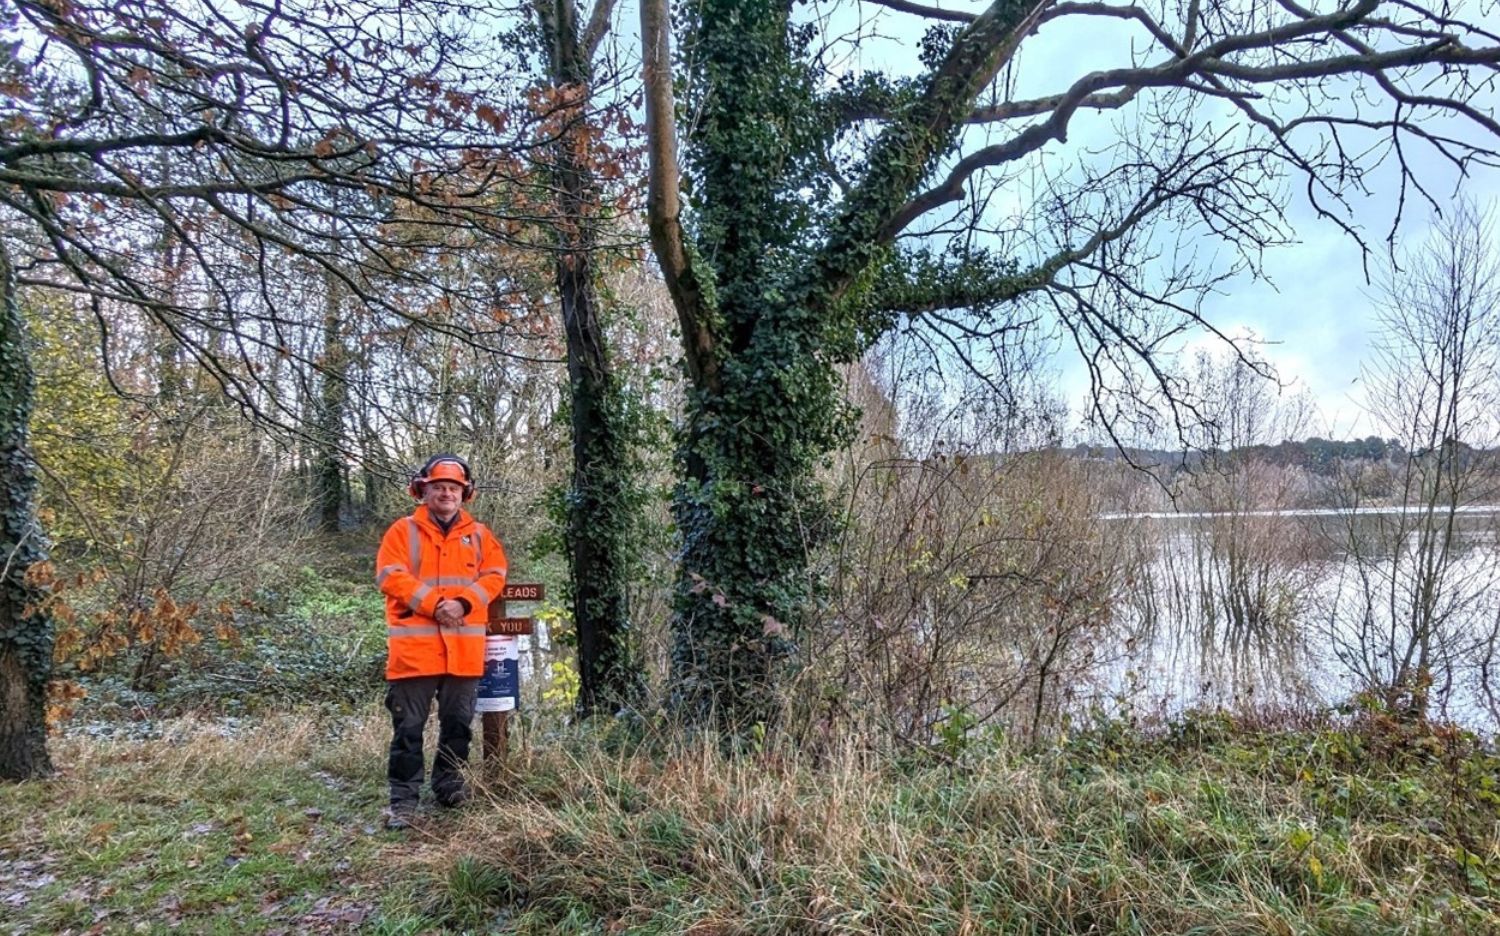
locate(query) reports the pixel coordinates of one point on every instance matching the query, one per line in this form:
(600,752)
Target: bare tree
(372,145)
(1411,611)
(1220,602)
(976,586)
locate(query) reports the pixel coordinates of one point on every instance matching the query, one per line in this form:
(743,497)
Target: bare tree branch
(1210,62)
(929,12)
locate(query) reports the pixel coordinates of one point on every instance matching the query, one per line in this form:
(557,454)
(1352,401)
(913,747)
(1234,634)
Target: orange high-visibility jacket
(419,566)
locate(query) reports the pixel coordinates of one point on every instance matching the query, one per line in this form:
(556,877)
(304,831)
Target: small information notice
(500,687)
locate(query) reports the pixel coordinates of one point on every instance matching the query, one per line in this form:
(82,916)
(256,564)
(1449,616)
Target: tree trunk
(25,633)
(330,430)
(372,451)
(599,521)
(765,406)
(600,525)
(373,503)
(752,513)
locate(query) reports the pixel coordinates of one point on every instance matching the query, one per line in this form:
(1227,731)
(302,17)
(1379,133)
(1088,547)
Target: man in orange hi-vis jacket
(439,569)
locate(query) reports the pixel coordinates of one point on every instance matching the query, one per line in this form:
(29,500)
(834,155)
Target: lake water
(1305,608)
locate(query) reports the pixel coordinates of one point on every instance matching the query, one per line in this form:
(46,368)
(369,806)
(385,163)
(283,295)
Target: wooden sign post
(496,725)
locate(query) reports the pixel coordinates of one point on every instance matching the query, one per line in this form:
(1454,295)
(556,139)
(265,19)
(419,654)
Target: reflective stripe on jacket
(417,567)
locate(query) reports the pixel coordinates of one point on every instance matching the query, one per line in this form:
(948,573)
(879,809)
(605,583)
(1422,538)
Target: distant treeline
(1316,454)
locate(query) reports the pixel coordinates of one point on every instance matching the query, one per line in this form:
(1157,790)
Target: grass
(1209,827)
(1226,831)
(273,830)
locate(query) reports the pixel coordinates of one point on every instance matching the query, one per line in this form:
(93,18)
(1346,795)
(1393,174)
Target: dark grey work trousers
(410,701)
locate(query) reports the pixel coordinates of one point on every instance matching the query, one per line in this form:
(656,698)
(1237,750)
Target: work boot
(400,817)
(454,798)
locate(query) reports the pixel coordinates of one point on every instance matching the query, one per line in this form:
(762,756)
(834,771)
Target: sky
(1315,311)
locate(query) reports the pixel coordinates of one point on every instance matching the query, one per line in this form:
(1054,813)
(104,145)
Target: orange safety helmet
(442,468)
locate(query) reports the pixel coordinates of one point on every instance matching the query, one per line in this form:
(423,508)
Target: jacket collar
(424,518)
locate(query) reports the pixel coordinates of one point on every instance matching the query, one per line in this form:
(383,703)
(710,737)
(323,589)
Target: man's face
(442,498)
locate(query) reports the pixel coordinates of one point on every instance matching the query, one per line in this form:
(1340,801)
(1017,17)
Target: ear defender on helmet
(442,468)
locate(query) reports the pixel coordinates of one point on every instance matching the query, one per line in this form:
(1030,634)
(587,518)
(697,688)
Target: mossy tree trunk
(600,526)
(332,407)
(25,633)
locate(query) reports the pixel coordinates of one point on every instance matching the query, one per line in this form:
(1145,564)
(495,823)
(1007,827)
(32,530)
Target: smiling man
(439,570)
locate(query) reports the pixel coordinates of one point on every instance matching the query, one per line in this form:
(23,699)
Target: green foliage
(606,515)
(562,684)
(472,886)
(334,601)
(748,509)
(94,444)
(610,509)
(600,515)
(215,827)
(320,643)
(936,43)
(168,514)
(953,730)
(1208,825)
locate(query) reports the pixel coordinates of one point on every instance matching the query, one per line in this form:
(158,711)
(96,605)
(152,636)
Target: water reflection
(1310,607)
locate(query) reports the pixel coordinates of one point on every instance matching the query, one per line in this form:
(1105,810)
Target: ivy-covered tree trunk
(764,408)
(752,513)
(771,286)
(329,470)
(25,634)
(601,528)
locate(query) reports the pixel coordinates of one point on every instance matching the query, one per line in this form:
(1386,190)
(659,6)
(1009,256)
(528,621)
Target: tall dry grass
(1105,835)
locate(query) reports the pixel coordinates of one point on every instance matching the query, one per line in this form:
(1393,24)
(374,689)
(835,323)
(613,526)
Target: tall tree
(25,631)
(332,404)
(600,522)
(784,259)
(366,145)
